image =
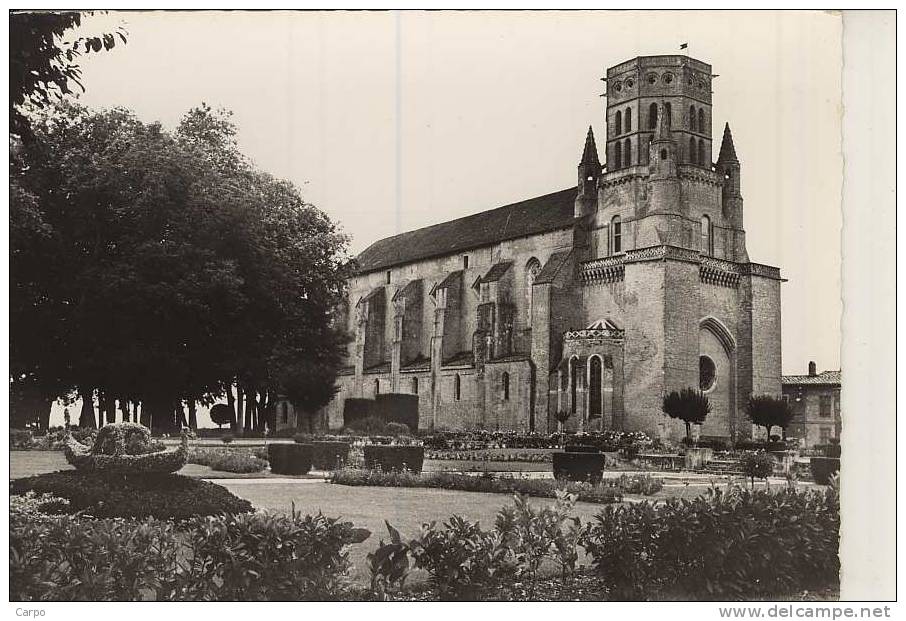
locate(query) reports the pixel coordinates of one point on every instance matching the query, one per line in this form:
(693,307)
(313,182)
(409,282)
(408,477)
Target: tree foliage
(158,266)
(688,405)
(42,66)
(767,411)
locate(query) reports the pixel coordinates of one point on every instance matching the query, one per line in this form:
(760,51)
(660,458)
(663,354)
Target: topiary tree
(688,405)
(222,414)
(767,411)
(757,465)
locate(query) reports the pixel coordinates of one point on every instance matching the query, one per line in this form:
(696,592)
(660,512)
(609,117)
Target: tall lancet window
(531,273)
(693,151)
(616,232)
(628,120)
(701,154)
(692,118)
(618,123)
(668,114)
(627,152)
(617,155)
(701,121)
(707,245)
(652,116)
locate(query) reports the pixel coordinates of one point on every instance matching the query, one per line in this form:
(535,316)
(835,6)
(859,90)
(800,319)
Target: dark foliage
(329,455)
(768,411)
(394,458)
(738,544)
(586,467)
(238,462)
(286,458)
(823,468)
(161,496)
(756,465)
(688,405)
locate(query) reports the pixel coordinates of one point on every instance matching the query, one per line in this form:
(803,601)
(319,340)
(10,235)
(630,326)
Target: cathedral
(580,309)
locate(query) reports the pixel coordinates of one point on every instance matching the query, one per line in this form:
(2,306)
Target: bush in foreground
(545,488)
(737,544)
(251,557)
(161,496)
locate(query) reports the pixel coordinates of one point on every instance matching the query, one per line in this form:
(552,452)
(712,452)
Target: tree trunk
(159,413)
(689,431)
(193,420)
(142,414)
(249,409)
(124,409)
(109,404)
(231,401)
(179,415)
(44,416)
(240,408)
(86,418)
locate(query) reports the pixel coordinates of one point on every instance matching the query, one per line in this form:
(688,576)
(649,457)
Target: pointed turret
(590,154)
(727,149)
(589,171)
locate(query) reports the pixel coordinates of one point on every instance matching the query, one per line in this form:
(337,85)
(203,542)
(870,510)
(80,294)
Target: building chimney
(812,368)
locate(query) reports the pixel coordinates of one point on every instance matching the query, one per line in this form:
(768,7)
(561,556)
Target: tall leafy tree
(163,267)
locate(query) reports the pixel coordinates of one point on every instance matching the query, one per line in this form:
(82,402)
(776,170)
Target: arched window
(701,121)
(668,115)
(505,385)
(706,247)
(284,410)
(617,155)
(628,119)
(456,388)
(692,118)
(627,152)
(618,124)
(414,385)
(377,386)
(701,154)
(616,232)
(693,151)
(652,116)
(573,381)
(531,272)
(594,388)
(647,150)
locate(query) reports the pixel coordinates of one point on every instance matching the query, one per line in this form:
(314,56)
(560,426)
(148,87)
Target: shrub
(329,455)
(226,438)
(823,468)
(249,557)
(162,496)
(239,462)
(688,405)
(830,450)
(394,458)
(260,452)
(288,458)
(397,429)
(581,448)
(738,544)
(302,438)
(268,557)
(466,562)
(588,467)
(20,439)
(756,465)
(64,558)
(643,484)
(602,493)
(369,425)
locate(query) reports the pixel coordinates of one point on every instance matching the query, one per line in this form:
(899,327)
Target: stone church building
(582,307)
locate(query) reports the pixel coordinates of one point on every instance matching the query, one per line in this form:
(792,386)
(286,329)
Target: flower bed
(524,456)
(605,492)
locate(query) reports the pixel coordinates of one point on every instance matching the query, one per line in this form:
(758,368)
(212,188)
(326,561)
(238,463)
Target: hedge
(823,468)
(161,496)
(394,458)
(581,448)
(355,408)
(329,455)
(397,408)
(579,466)
(288,458)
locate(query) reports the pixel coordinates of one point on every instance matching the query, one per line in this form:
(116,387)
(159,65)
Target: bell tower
(646,89)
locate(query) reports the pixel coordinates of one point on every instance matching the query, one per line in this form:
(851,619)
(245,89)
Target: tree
(688,405)
(41,65)
(222,414)
(767,411)
(162,267)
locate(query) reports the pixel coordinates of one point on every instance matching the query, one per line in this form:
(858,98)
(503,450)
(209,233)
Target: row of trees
(162,267)
(692,407)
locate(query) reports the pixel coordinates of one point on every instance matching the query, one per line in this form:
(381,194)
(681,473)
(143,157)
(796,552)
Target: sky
(389,121)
